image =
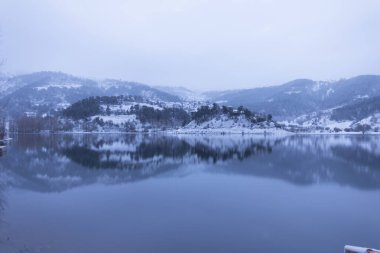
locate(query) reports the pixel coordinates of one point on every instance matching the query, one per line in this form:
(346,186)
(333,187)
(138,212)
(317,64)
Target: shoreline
(252,132)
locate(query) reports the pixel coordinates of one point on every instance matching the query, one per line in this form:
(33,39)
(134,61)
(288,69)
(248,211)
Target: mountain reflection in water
(59,162)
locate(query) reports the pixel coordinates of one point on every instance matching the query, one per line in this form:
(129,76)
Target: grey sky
(199,44)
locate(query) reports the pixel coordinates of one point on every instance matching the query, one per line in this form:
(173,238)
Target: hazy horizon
(200,45)
(205,90)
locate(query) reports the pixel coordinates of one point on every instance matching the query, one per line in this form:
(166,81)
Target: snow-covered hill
(123,114)
(138,114)
(302,105)
(217,119)
(302,96)
(7,87)
(47,92)
(324,122)
(224,124)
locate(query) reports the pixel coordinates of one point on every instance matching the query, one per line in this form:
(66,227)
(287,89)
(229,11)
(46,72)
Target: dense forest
(92,106)
(358,110)
(166,117)
(146,112)
(205,113)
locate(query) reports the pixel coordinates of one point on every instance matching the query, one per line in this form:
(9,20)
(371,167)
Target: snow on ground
(117,119)
(322,122)
(373,120)
(318,85)
(225,125)
(320,119)
(59,85)
(361,96)
(149,94)
(221,122)
(336,124)
(63,105)
(126,107)
(189,106)
(329,91)
(183,93)
(236,130)
(109,83)
(4,86)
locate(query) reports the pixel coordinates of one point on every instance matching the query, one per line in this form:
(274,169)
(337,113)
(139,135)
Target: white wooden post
(354,249)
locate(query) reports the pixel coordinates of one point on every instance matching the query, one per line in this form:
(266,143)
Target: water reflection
(3,146)
(135,152)
(59,162)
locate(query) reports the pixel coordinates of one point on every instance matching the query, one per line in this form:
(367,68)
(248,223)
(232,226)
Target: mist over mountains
(303,96)
(302,101)
(47,92)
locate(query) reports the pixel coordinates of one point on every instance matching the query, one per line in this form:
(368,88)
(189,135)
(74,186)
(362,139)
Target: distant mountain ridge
(302,96)
(301,101)
(183,93)
(46,92)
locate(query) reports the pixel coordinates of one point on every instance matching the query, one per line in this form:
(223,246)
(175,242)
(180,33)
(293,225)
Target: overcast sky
(199,44)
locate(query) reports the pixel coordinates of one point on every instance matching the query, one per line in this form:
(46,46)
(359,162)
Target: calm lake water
(127,193)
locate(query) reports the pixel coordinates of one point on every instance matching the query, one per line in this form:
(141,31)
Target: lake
(157,193)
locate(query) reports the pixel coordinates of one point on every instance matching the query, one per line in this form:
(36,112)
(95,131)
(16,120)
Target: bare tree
(1,59)
(2,112)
